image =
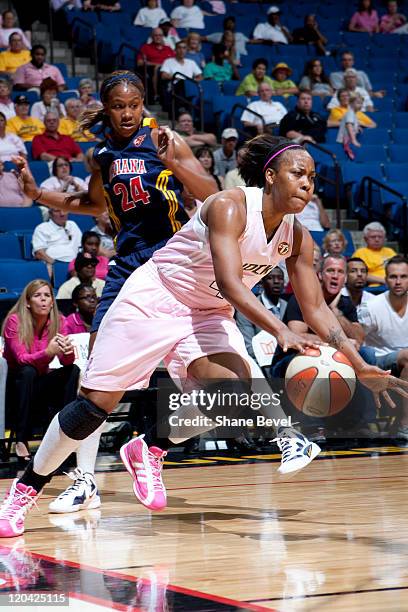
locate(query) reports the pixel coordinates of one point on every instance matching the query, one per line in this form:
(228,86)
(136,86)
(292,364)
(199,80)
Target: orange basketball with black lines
(320,382)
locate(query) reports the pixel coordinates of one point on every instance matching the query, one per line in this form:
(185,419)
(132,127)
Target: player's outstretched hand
(166,148)
(25,178)
(289,340)
(380,382)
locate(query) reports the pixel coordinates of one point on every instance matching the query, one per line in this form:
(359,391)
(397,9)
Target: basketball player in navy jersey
(138,173)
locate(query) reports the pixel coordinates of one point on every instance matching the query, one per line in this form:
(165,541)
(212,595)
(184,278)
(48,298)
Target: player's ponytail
(92,116)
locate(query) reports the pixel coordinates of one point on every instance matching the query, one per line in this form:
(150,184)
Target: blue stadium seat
(85,146)
(73,82)
(376,136)
(384,104)
(10,247)
(357,39)
(78,169)
(353,173)
(65,95)
(370,153)
(395,172)
(383,119)
(398,153)
(29,148)
(40,170)
(399,136)
(32,96)
(401,120)
(60,274)
(85,222)
(229,87)
(15,275)
(63,68)
(19,219)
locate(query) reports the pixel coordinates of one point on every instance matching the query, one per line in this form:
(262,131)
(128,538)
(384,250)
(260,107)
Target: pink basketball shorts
(147,324)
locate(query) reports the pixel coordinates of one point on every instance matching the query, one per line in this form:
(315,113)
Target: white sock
(54,449)
(87,451)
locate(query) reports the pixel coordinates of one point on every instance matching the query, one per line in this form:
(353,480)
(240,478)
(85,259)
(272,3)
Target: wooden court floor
(235,536)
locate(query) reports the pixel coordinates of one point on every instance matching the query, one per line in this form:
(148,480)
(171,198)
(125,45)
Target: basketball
(320,382)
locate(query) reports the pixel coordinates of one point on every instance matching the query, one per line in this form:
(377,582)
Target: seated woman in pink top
(365,19)
(85,300)
(90,243)
(34,333)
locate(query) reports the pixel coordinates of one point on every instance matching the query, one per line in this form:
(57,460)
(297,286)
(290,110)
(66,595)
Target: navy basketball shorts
(119,271)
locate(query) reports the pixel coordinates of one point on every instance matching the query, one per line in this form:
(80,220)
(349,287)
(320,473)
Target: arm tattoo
(336,338)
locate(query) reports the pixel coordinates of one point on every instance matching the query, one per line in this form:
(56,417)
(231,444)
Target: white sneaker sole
(301,462)
(95,502)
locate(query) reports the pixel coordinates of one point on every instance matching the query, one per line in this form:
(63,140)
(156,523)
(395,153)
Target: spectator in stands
(69,125)
(385,321)
(49,100)
(356,281)
(33,73)
(62,179)
(106,232)
(375,254)
(272,31)
(6,103)
(347,61)
(11,193)
(10,144)
(272,288)
(314,216)
(271,112)
(84,300)
(170,36)
(221,68)
(281,84)
(85,265)
(52,144)
(106,5)
(85,88)
(350,126)
(334,243)
(315,80)
(226,158)
(350,79)
(233,177)
(183,66)
(240,39)
(205,156)
(188,15)
(22,124)
(91,244)
(57,239)
(365,19)
(151,56)
(249,86)
(392,20)
(302,124)
(185,127)
(8,28)
(15,56)
(194,49)
(311,35)
(149,16)
(337,113)
(228,40)
(34,333)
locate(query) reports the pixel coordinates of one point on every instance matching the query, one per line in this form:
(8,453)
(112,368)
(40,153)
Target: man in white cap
(225,158)
(272,31)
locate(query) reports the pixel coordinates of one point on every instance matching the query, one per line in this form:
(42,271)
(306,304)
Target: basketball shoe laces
(78,476)
(16,501)
(287,446)
(156,464)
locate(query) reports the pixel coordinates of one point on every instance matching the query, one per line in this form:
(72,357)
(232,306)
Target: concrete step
(332,213)
(349,224)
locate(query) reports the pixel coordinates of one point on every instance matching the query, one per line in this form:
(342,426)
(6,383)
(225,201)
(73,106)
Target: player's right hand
(25,178)
(289,340)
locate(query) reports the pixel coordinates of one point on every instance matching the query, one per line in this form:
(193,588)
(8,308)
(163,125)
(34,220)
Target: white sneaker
(81,495)
(297,451)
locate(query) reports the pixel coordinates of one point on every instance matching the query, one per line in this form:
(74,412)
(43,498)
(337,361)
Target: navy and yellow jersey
(142,195)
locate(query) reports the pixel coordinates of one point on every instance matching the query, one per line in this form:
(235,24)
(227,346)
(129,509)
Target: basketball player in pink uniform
(179,307)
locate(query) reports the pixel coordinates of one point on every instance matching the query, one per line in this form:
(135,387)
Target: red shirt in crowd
(60,146)
(155,54)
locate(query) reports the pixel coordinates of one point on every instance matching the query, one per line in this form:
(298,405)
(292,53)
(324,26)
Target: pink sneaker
(14,508)
(145,466)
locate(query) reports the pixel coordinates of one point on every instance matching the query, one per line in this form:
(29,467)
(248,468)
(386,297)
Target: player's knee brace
(80,418)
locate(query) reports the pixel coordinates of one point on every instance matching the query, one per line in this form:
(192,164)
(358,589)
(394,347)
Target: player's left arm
(178,157)
(321,319)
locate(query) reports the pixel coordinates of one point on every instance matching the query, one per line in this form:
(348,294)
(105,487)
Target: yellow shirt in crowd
(9,62)
(70,127)
(337,113)
(375,260)
(25,128)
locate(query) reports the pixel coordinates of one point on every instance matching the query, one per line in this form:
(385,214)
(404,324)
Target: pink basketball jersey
(185,264)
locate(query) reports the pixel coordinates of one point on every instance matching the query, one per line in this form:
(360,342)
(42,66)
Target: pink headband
(278,153)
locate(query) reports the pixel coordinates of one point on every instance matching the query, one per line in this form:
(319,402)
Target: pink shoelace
(15,502)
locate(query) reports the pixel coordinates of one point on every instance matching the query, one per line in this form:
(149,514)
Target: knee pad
(80,418)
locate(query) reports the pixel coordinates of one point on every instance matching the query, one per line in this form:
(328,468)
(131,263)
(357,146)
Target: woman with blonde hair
(34,333)
(334,242)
